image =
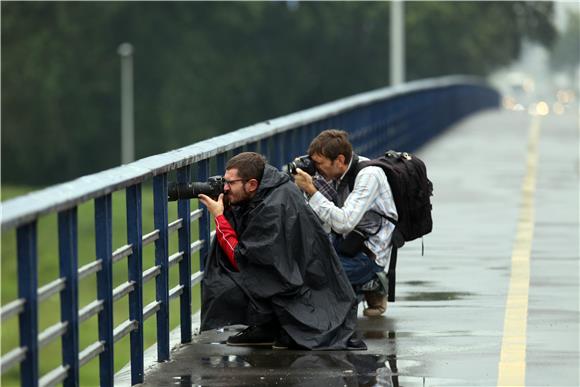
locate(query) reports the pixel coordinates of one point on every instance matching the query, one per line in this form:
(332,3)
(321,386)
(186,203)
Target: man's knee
(359,269)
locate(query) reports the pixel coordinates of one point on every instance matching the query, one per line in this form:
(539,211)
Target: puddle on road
(230,329)
(230,361)
(370,334)
(183,380)
(379,334)
(435,296)
(223,342)
(298,369)
(498,268)
(304,361)
(418,283)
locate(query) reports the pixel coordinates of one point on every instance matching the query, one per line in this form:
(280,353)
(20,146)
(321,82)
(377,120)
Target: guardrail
(401,118)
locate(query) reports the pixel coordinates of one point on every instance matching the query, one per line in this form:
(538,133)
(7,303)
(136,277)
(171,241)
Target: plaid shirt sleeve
(325,188)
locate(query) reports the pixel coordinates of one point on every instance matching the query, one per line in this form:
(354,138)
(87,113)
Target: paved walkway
(497,288)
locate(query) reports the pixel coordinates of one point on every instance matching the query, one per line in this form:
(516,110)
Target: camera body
(303,162)
(213,187)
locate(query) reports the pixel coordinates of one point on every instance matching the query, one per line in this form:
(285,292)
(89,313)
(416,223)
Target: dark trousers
(359,269)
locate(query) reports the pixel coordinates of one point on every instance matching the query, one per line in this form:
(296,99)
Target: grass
(48,270)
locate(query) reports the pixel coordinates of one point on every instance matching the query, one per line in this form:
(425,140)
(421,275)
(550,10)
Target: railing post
(28,319)
(162,259)
(252,147)
(264,149)
(278,155)
(289,147)
(104,242)
(221,164)
(184,235)
(204,222)
(135,265)
(68,251)
(303,144)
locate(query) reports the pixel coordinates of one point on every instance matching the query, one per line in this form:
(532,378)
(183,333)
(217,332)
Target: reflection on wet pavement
(379,335)
(230,361)
(434,296)
(338,369)
(218,342)
(418,283)
(499,268)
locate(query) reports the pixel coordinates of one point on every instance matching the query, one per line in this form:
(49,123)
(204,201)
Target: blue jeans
(359,269)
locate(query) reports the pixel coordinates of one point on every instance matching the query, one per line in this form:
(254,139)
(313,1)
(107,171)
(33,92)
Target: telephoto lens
(176,191)
(213,187)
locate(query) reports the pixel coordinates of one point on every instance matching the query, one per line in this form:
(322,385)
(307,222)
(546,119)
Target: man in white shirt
(364,201)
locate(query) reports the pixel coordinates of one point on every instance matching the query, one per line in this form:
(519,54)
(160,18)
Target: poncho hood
(271,179)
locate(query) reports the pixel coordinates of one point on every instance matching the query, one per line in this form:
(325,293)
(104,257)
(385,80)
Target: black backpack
(411,190)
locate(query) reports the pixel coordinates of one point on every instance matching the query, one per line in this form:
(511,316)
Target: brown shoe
(377,304)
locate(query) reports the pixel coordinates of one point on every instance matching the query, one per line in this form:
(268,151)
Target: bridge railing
(401,118)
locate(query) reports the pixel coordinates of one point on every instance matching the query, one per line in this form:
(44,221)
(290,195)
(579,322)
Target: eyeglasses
(230,182)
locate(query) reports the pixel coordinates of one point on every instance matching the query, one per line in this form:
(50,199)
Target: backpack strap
(391,274)
(353,171)
(350,177)
(393,221)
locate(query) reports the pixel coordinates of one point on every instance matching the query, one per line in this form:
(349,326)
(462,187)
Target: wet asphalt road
(447,325)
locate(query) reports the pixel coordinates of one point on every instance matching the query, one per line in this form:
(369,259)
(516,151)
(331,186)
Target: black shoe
(284,341)
(256,336)
(356,344)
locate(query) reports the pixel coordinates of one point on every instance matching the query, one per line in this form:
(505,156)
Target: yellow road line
(512,365)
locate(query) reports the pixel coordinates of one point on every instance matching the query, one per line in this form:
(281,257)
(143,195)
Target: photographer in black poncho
(272,267)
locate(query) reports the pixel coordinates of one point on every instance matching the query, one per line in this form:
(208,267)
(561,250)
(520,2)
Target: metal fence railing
(401,118)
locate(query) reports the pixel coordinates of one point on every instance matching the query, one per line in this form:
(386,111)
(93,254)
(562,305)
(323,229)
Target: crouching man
(357,210)
(271,266)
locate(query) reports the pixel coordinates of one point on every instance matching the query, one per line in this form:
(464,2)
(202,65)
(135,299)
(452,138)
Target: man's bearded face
(235,188)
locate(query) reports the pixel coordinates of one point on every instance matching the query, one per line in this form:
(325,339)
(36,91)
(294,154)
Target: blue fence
(401,118)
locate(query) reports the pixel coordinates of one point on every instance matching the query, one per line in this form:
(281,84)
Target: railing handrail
(25,208)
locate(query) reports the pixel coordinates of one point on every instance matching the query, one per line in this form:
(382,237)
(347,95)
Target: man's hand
(304,182)
(215,208)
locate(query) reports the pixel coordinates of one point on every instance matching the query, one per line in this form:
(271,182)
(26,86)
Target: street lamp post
(397,42)
(125,51)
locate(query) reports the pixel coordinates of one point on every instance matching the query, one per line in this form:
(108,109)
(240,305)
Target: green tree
(58,90)
(205,68)
(566,51)
(472,37)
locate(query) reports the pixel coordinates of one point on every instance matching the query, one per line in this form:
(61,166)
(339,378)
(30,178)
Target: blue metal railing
(401,118)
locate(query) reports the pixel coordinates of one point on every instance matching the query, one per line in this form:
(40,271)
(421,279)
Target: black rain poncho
(289,271)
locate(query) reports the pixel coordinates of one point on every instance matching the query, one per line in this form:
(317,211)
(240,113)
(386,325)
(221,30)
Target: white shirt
(371,191)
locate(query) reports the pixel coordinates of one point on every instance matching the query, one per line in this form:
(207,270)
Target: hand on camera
(215,208)
(304,181)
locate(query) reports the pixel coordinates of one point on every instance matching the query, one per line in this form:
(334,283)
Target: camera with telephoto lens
(303,162)
(213,187)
